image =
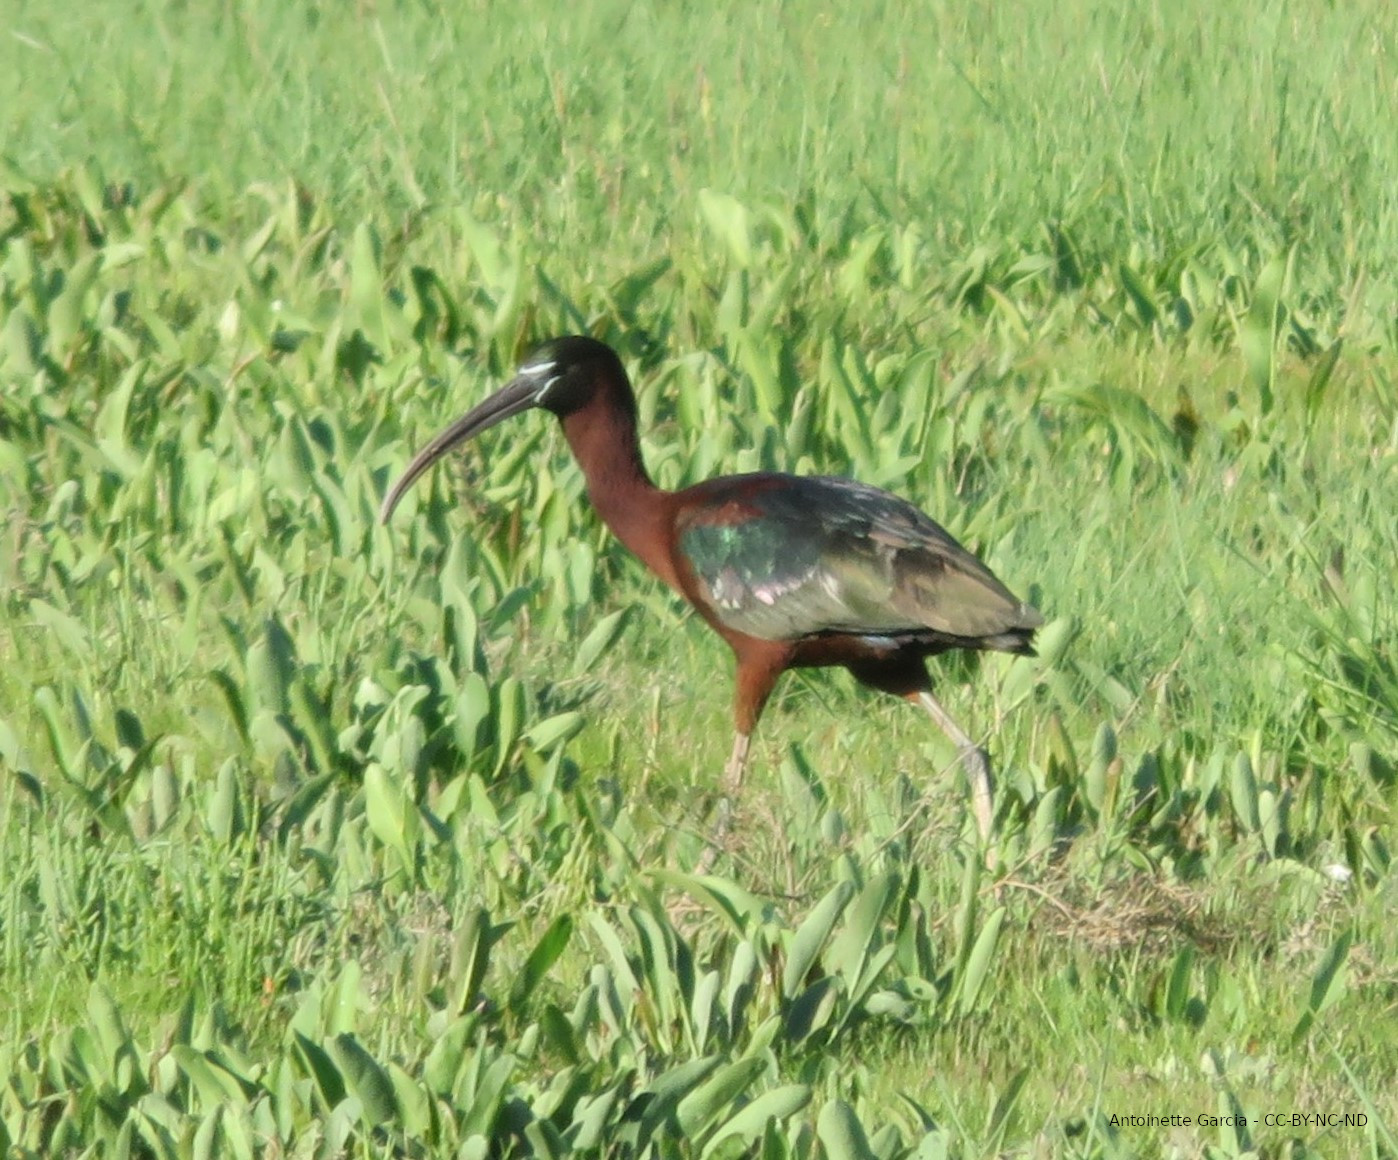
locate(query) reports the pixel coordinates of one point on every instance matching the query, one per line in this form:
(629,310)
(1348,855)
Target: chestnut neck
(603,438)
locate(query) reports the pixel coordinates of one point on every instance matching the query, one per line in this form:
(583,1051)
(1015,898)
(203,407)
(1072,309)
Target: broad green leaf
(670,1087)
(366,1079)
(472,708)
(1139,294)
(1005,1104)
(1327,986)
(67,630)
(330,1084)
(392,816)
(67,311)
(841,1133)
(106,1021)
(214,1083)
(811,936)
(541,958)
(701,1010)
(469,958)
(109,428)
(851,948)
(1259,329)
(590,1118)
(1243,791)
(772,1107)
(366,295)
(1320,379)
(224,814)
(979,962)
(449,1055)
(1095,778)
(509,721)
(698,1110)
(553,731)
(739,907)
(662,983)
(597,643)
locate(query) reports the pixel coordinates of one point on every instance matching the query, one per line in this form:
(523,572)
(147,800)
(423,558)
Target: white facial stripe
(543,392)
(543,365)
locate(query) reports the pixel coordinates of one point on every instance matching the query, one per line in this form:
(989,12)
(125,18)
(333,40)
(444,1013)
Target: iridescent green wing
(783,557)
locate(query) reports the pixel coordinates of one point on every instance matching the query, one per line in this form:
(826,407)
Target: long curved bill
(519,394)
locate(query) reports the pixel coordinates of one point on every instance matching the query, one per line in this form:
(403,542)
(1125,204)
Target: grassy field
(319,838)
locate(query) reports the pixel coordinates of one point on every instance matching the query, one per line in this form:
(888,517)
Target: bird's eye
(546,387)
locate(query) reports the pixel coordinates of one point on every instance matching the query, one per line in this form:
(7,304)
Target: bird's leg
(732,782)
(760,663)
(973,759)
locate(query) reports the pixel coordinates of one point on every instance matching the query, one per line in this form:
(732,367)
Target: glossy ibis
(791,571)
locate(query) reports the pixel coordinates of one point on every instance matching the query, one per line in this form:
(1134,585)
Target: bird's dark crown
(570,371)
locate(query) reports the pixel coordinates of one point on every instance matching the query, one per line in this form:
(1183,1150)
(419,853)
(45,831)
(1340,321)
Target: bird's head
(562,376)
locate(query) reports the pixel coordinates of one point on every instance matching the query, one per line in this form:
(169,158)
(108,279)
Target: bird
(791,571)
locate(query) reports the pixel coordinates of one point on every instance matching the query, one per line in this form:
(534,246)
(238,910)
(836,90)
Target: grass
(322,838)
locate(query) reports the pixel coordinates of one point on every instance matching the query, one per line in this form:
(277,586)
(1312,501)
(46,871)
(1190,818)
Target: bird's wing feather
(784,557)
